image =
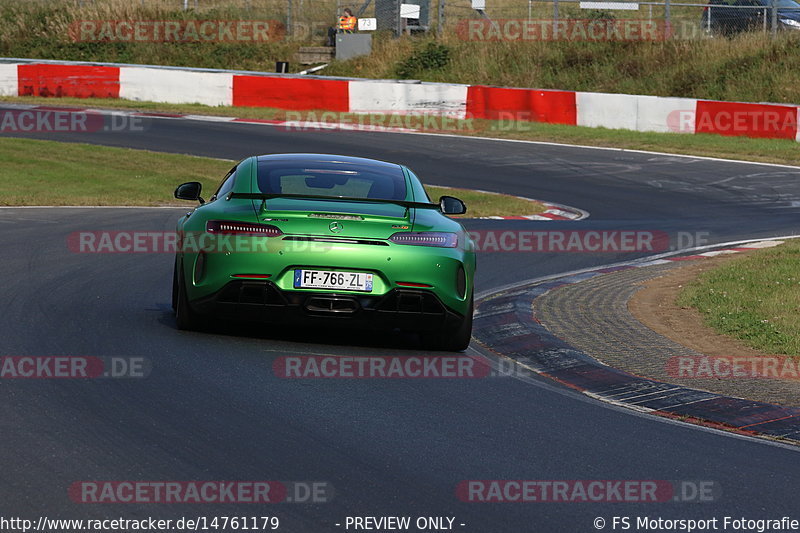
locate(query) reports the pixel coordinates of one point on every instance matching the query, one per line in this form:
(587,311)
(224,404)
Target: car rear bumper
(263,301)
(392,266)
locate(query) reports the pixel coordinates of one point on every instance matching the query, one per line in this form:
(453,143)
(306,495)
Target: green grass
(754,298)
(483,204)
(743,148)
(52,173)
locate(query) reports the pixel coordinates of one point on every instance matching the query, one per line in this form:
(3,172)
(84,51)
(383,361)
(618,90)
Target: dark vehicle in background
(730,17)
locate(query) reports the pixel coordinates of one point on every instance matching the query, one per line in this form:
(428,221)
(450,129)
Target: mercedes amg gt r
(325,240)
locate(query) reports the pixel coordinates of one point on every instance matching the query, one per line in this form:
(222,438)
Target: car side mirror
(450,205)
(190,191)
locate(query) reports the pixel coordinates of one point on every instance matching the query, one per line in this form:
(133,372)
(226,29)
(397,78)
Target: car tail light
(426,238)
(413,284)
(232,227)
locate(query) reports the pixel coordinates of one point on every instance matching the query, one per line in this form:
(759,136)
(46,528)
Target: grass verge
(52,173)
(742,148)
(754,298)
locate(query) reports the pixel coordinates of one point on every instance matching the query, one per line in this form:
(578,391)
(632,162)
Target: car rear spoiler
(266,196)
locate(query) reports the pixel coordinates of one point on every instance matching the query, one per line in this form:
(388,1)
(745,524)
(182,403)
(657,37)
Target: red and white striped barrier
(229,88)
(175,86)
(395,96)
(533,105)
(9,86)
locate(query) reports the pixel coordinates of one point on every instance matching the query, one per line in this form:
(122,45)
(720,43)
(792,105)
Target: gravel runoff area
(605,317)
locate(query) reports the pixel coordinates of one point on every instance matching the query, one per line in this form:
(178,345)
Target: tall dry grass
(749,67)
(41,29)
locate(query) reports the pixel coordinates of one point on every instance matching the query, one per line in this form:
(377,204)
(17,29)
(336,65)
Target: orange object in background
(347,23)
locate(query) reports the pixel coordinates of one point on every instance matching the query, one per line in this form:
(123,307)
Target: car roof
(328,158)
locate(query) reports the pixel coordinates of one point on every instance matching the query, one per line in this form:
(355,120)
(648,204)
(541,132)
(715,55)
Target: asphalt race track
(212,408)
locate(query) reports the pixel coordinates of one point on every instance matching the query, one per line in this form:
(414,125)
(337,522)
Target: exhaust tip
(330,304)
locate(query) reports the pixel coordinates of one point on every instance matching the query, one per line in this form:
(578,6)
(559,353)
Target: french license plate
(326,279)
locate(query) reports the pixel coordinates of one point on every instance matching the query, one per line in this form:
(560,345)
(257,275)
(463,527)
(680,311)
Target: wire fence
(665,19)
(301,17)
(510,20)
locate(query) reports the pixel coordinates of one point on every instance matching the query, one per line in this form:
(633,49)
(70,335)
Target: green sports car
(325,240)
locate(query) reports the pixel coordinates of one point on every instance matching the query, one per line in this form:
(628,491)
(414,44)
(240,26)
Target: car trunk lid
(335,219)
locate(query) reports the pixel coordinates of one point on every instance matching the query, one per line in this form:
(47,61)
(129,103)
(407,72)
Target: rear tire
(185,317)
(455,338)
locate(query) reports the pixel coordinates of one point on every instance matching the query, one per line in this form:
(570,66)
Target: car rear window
(331,179)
